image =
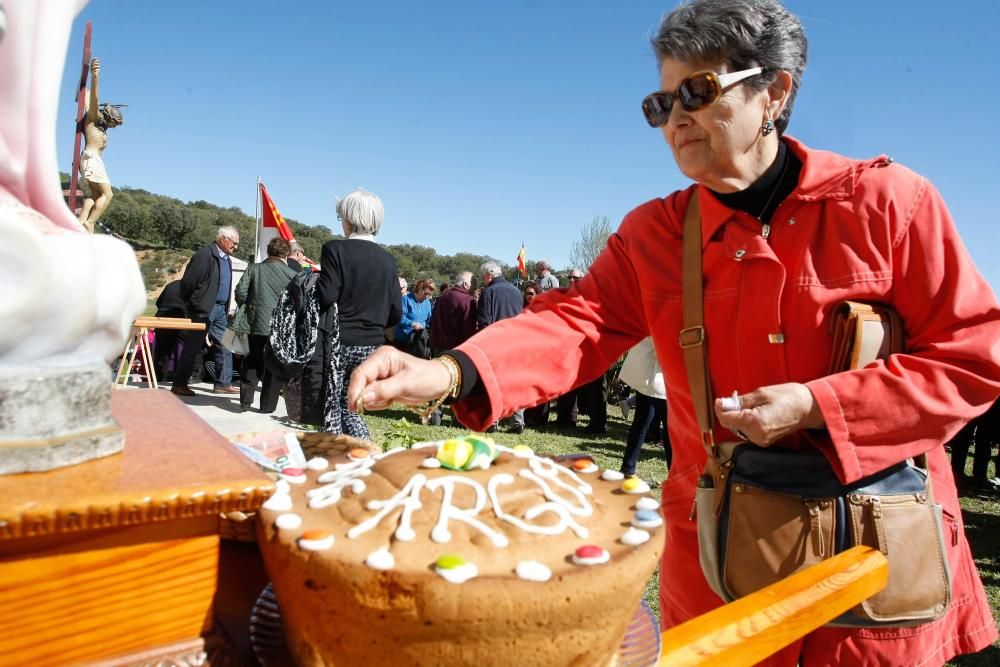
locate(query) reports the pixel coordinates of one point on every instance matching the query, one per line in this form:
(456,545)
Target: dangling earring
(767,128)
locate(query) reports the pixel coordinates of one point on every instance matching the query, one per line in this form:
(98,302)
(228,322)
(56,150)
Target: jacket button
(740,253)
(776,338)
(792,221)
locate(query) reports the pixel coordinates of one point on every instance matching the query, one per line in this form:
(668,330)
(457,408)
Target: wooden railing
(752,628)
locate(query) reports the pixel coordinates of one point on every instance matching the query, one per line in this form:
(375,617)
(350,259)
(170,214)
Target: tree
(593,239)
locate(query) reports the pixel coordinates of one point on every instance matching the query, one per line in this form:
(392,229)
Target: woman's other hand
(770,413)
(391,376)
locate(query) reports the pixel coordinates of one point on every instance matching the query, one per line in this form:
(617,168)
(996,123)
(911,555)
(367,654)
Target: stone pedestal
(51,418)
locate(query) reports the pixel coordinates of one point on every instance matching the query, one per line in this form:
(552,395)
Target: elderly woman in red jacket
(787,233)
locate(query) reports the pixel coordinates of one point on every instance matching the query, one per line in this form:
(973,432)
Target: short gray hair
(296,247)
(362,211)
(464,278)
(491,268)
(742,33)
(227,232)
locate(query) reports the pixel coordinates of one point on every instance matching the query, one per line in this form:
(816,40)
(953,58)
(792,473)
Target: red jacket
(862,230)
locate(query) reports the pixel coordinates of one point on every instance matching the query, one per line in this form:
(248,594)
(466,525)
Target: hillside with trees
(165,232)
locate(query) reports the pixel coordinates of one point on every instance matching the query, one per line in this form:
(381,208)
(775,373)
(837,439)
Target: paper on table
(274,450)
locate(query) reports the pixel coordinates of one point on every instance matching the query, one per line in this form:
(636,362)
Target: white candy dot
(380,559)
(317,463)
(281,486)
(532,570)
(430,463)
(634,537)
(288,521)
(612,476)
(279,502)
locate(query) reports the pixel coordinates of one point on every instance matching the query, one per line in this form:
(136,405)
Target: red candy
(582,464)
(293,472)
(589,551)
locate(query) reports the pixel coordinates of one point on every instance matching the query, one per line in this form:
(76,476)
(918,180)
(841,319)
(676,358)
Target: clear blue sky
(482,125)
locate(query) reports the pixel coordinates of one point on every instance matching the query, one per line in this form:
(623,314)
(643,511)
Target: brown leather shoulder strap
(692,337)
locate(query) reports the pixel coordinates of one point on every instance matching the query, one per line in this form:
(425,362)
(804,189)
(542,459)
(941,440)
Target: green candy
(450,562)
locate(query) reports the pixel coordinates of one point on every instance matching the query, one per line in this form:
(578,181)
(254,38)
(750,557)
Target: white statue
(67,298)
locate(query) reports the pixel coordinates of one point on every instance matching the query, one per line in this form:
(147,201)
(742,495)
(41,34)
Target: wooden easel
(81,96)
(139,344)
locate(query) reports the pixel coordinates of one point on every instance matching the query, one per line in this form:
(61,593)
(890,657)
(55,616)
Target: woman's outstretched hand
(768,414)
(390,376)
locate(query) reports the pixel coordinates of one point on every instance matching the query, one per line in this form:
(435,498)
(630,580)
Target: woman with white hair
(360,278)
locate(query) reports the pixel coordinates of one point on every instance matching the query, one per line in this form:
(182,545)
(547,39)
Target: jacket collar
(824,175)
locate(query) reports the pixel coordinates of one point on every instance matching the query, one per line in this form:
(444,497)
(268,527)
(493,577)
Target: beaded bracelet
(425,410)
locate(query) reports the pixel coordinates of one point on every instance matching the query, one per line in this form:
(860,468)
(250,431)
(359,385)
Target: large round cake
(458,553)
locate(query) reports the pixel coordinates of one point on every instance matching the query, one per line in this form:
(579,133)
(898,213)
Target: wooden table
(139,344)
(117,560)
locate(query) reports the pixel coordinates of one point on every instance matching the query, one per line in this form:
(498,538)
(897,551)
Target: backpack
(294,327)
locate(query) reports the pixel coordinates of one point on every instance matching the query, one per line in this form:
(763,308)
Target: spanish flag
(521,262)
(270,224)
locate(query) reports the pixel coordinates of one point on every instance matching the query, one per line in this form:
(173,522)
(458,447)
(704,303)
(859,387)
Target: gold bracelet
(454,386)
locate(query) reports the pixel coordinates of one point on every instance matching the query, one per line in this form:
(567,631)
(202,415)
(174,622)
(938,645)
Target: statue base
(55,417)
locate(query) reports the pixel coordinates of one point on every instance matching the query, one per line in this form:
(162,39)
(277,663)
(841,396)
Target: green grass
(981,512)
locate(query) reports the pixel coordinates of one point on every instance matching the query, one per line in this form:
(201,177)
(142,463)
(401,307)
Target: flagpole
(256,228)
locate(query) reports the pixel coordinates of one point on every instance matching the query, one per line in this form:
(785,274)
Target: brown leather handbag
(765,513)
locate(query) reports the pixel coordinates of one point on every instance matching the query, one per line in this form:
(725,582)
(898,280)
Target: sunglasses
(575,277)
(695,92)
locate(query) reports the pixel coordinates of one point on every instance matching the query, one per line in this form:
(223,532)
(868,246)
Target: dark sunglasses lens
(656,107)
(698,91)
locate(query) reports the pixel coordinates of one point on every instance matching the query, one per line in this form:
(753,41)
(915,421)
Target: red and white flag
(270,224)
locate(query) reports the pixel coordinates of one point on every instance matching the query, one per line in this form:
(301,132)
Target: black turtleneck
(778,180)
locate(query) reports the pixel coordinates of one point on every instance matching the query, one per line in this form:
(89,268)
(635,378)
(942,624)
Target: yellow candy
(631,484)
(450,562)
(454,453)
(523,448)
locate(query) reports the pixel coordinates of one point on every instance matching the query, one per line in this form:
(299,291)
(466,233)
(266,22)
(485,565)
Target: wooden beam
(81,94)
(750,629)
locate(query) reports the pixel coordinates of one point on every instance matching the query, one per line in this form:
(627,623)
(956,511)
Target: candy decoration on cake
(532,570)
(293,475)
(380,559)
(316,540)
(430,463)
(647,503)
(279,502)
(467,453)
(633,537)
(612,476)
(523,451)
(590,554)
(635,485)
(358,454)
(455,568)
(317,463)
(585,465)
(288,521)
(647,519)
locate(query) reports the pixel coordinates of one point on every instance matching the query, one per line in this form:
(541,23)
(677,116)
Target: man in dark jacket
(499,300)
(453,321)
(206,289)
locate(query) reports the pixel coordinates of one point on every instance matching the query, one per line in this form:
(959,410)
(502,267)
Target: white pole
(256,229)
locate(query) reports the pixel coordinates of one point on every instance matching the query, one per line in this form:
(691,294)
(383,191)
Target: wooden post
(750,629)
(81,95)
